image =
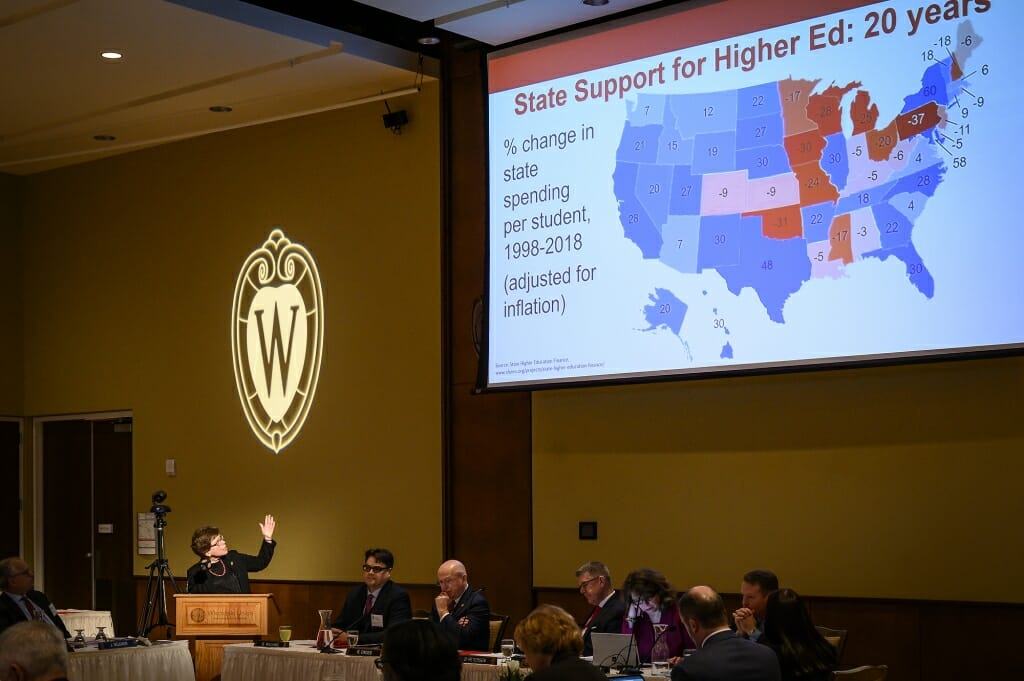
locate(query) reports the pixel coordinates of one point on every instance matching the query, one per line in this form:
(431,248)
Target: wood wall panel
(488,441)
(918,640)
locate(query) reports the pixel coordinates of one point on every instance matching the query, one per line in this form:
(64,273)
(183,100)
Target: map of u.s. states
(763,186)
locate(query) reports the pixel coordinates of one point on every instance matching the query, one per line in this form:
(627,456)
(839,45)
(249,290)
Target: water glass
(101,634)
(285,632)
(353,637)
(508,646)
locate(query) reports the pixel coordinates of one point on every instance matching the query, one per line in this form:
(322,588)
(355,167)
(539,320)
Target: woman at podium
(222,571)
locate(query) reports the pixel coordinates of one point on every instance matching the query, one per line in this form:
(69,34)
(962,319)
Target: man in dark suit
(595,583)
(462,612)
(20,602)
(372,607)
(757,585)
(721,654)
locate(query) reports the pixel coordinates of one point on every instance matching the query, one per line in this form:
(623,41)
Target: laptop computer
(614,650)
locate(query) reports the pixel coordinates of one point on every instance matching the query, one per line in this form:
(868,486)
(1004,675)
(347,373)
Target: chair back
(868,672)
(499,623)
(837,637)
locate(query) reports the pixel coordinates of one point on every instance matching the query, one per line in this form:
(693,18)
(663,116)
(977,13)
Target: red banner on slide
(702,23)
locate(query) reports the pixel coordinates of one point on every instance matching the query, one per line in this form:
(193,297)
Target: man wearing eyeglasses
(462,612)
(20,602)
(373,606)
(595,583)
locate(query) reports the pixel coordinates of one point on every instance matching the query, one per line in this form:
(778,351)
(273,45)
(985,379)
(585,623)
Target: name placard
(117,643)
(367,651)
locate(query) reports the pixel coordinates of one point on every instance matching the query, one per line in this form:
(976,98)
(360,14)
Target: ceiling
(64,104)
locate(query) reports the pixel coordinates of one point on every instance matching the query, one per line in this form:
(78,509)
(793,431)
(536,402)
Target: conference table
(87,621)
(301,661)
(163,661)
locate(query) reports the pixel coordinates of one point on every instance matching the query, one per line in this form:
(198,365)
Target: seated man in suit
(372,607)
(721,654)
(33,651)
(595,583)
(20,602)
(757,585)
(462,612)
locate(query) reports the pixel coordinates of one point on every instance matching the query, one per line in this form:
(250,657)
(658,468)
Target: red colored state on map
(825,110)
(955,72)
(804,147)
(780,223)
(794,94)
(863,113)
(839,239)
(815,184)
(924,117)
(882,142)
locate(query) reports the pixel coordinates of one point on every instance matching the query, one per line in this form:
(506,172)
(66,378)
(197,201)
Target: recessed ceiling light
(595,3)
(110,55)
(104,138)
(221,109)
(428,40)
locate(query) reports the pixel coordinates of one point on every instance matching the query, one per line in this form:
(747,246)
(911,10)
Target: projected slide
(838,188)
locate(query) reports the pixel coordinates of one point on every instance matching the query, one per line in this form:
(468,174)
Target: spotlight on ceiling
(595,3)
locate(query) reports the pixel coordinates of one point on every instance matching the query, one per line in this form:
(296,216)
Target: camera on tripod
(158,508)
(159,573)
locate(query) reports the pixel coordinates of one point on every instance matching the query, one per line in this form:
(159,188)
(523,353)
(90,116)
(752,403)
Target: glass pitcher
(660,651)
(323,634)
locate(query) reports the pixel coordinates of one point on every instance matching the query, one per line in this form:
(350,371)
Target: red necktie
(33,611)
(369,603)
(597,609)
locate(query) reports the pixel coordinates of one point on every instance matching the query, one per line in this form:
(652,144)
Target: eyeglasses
(375,569)
(222,540)
(379,663)
(585,582)
(26,571)
(446,581)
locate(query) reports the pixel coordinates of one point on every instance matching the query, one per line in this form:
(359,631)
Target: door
(67,513)
(10,488)
(87,517)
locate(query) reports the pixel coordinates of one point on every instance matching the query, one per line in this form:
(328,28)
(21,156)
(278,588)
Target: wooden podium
(210,617)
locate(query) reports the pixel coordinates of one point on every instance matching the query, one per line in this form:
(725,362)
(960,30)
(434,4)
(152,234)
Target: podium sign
(210,617)
(221,614)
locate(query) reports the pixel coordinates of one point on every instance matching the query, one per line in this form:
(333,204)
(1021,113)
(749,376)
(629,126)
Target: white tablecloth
(168,661)
(87,621)
(302,662)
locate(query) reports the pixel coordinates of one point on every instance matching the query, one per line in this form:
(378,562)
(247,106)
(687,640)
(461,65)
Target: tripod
(156,592)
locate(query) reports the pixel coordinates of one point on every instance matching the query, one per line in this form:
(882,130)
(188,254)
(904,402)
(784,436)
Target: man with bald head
(462,612)
(721,654)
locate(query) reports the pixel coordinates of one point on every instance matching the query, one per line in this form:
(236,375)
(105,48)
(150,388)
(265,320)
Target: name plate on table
(480,658)
(117,643)
(271,644)
(368,651)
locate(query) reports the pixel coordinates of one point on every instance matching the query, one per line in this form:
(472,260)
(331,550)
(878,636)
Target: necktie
(369,604)
(597,609)
(33,611)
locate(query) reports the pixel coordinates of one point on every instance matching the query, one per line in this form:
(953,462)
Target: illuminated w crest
(277,338)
